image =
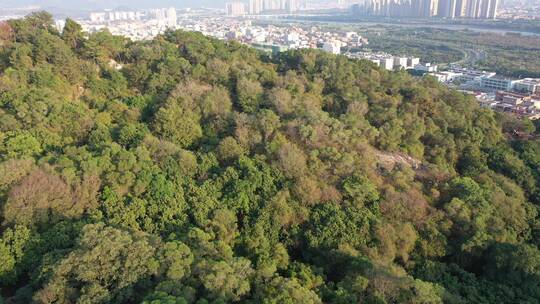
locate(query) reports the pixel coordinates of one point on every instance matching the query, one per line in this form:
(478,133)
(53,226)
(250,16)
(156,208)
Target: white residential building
(412,62)
(97,17)
(497,83)
(400,62)
(427,67)
(528,85)
(333,47)
(387,63)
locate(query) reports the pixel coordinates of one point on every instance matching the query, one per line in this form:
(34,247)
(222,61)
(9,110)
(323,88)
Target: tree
(34,23)
(225,281)
(281,100)
(177,125)
(175,260)
(229,149)
(360,190)
(249,94)
(102,46)
(131,135)
(161,297)
(216,103)
(13,248)
(291,160)
(105,266)
(6,33)
(517,265)
(330,227)
(73,34)
(13,170)
(20,145)
(42,198)
(283,290)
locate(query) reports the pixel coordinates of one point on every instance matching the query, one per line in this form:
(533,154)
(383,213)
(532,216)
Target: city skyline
(475,9)
(111,4)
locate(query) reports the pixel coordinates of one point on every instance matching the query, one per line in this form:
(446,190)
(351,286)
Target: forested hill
(189,170)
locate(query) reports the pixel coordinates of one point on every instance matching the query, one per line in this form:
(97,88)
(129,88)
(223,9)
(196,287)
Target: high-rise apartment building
(430,8)
(235,8)
(447,9)
(482,9)
(486,9)
(291,6)
(472,8)
(165,17)
(493,7)
(271,5)
(170,17)
(256,7)
(461,8)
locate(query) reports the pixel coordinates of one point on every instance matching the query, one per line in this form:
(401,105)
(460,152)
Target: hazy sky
(89,4)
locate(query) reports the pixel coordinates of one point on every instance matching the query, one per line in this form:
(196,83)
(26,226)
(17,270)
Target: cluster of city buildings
(388,61)
(166,16)
(257,7)
(136,25)
(519,10)
(274,38)
(142,25)
(518,96)
(524,105)
(281,38)
(477,9)
(486,81)
(147,24)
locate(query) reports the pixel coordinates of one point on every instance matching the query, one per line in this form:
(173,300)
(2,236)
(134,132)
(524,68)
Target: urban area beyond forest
(269,154)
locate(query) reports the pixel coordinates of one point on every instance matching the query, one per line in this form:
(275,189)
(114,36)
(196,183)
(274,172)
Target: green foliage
(105,266)
(189,170)
(249,94)
(177,125)
(229,149)
(13,247)
(102,46)
(516,265)
(332,227)
(282,290)
(72,34)
(20,145)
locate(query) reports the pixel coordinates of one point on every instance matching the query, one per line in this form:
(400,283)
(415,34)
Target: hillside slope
(189,170)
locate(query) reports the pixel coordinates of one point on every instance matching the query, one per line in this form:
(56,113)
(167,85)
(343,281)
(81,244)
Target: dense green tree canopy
(189,170)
